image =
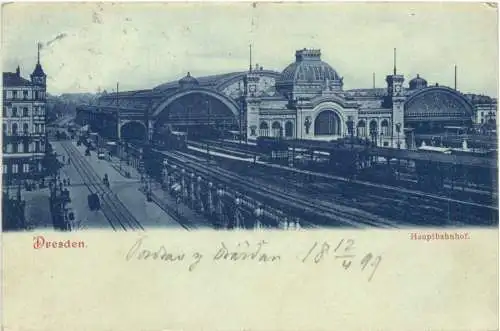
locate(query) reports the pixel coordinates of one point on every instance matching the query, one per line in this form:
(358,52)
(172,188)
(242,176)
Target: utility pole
(208,141)
(241,118)
(118,133)
(187,123)
(296,131)
(250,64)
(118,112)
(455,77)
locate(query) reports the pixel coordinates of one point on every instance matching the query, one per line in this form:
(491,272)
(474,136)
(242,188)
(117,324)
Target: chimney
(18,72)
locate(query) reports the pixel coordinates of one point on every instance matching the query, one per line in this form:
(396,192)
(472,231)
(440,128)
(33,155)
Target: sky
(89,47)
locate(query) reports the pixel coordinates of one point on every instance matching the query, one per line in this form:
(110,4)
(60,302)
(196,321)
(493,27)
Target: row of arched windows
(276,129)
(324,125)
(373,128)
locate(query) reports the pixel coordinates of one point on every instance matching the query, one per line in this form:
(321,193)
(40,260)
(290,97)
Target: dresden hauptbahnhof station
(305,101)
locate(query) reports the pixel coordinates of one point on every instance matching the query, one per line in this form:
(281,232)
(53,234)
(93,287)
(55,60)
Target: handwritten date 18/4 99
(344,251)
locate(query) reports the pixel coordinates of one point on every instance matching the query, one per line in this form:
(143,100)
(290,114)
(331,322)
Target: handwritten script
(342,252)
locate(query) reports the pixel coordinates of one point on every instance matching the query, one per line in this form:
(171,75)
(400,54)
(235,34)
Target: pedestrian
(68,182)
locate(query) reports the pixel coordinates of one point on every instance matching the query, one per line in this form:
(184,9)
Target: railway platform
(184,215)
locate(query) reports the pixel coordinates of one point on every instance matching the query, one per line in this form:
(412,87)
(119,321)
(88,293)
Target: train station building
(305,101)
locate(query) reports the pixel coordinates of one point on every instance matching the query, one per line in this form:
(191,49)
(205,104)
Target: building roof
(308,67)
(417,83)
(480,99)
(366,92)
(38,70)
(204,81)
(436,102)
(188,81)
(12,79)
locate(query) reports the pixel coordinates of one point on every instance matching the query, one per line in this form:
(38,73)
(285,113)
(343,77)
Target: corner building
(23,124)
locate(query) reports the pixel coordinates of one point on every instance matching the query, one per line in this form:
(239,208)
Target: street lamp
(209,198)
(208,143)
(192,195)
(172,174)
(220,206)
(237,203)
(258,212)
(183,183)
(199,179)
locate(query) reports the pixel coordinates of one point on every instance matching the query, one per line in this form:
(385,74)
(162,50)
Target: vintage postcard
(249,166)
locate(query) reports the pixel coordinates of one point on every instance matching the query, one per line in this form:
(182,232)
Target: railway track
(398,206)
(119,217)
(409,178)
(371,208)
(344,216)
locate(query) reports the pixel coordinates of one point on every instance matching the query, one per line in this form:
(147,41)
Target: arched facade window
(288,129)
(264,129)
(277,130)
(373,128)
(327,123)
(25,128)
(385,128)
(361,129)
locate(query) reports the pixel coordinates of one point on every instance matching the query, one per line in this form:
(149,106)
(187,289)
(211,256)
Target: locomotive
(171,140)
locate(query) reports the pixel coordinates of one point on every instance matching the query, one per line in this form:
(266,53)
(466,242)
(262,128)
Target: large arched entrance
(327,123)
(431,110)
(199,113)
(133,131)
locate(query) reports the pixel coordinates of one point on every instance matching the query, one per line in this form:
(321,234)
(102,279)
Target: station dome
(188,81)
(417,83)
(309,71)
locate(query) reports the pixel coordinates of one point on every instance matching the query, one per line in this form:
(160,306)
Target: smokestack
(373,80)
